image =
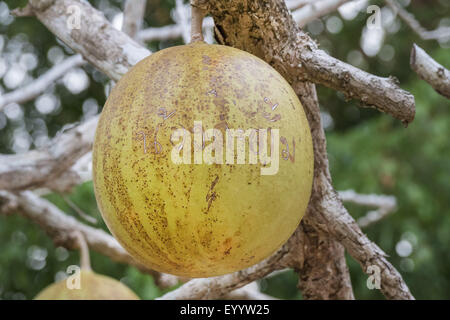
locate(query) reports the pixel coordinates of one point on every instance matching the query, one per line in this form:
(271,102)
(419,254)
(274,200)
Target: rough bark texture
(430,71)
(324,260)
(110,50)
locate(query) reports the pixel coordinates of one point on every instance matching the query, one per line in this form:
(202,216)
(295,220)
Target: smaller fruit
(89,285)
(93,287)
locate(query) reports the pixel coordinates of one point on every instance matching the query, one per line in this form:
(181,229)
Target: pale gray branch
(87,31)
(77,209)
(312,10)
(169,32)
(336,220)
(385,205)
(39,85)
(430,71)
(43,167)
(182,19)
(441,33)
(108,49)
(133,16)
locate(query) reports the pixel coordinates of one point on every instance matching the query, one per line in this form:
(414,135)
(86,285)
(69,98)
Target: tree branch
(182,20)
(87,31)
(331,217)
(442,33)
(322,271)
(133,16)
(297,4)
(385,205)
(175,31)
(430,71)
(41,168)
(80,212)
(314,10)
(383,94)
(169,32)
(109,50)
(36,87)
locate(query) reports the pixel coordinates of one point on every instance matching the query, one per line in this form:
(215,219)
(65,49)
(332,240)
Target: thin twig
(80,212)
(385,205)
(441,33)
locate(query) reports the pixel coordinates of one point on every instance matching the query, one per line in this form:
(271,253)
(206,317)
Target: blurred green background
(369,152)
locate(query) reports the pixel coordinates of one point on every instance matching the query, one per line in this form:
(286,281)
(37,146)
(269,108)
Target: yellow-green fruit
(200,220)
(92,287)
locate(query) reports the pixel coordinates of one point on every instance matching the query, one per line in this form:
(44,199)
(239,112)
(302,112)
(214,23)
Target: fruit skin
(199,220)
(93,287)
